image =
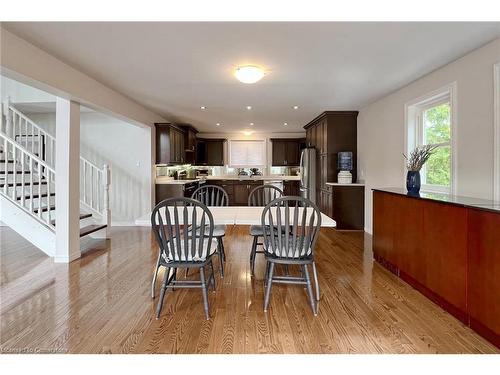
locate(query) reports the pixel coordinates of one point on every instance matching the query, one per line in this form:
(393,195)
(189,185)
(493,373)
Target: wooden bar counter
(445,246)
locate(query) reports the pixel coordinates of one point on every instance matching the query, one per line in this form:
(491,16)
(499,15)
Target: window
(247,154)
(430,122)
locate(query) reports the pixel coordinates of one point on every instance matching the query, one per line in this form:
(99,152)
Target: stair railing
(26,186)
(94,188)
(29,135)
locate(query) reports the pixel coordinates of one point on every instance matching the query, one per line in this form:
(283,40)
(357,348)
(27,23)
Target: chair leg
(212,275)
(223,251)
(221,257)
(315,275)
(205,292)
(266,273)
(268,287)
(155,275)
(252,255)
(162,293)
(312,300)
(174,277)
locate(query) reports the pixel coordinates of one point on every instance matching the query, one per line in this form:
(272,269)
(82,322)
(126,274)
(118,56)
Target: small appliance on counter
(344,164)
(255,172)
(242,172)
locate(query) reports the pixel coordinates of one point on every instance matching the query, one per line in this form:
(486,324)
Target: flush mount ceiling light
(249,73)
(203,107)
(295,107)
(249,107)
(285,123)
(218,124)
(251,124)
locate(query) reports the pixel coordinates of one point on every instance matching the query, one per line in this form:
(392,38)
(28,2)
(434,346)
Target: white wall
(126,149)
(266,136)
(381,128)
(21,93)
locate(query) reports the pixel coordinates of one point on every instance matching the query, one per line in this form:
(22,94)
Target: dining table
(236,215)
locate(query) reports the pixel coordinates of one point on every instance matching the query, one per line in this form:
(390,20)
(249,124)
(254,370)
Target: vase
(413,182)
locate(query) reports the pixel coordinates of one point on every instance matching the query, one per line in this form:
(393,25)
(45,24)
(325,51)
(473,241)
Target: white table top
(237,215)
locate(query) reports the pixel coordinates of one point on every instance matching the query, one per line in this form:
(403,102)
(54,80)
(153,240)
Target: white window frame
(231,144)
(496,136)
(414,130)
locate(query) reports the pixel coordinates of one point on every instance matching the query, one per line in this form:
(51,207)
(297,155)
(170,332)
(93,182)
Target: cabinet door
(383,227)
(279,153)
(483,297)
(173,146)
(292,153)
(180,147)
(241,191)
(162,144)
(445,244)
(291,188)
(215,153)
(201,152)
(323,171)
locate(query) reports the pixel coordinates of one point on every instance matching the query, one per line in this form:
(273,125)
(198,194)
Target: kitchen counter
(164,181)
(337,184)
(482,204)
(255,178)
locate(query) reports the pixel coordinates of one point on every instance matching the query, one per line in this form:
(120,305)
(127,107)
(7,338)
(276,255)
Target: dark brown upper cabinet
(210,152)
(190,144)
(286,151)
(169,144)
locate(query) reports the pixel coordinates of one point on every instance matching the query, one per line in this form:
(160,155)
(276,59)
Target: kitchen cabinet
(164,191)
(242,191)
(190,144)
(447,248)
(210,152)
(169,144)
(330,133)
(346,205)
(286,152)
(291,188)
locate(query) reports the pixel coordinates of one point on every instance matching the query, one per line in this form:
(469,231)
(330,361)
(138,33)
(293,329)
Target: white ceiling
(174,68)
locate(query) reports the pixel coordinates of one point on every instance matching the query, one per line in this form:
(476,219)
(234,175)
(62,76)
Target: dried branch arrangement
(419,156)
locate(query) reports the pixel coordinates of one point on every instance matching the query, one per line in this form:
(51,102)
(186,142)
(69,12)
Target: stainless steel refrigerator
(308,174)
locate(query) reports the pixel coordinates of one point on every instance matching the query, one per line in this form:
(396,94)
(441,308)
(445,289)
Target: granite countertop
(483,204)
(255,178)
(337,184)
(166,181)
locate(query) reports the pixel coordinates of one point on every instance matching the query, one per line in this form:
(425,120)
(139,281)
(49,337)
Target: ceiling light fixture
(203,107)
(286,123)
(248,132)
(295,107)
(251,124)
(218,124)
(249,73)
(249,107)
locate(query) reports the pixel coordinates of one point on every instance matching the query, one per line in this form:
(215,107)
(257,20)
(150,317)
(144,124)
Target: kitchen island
(445,246)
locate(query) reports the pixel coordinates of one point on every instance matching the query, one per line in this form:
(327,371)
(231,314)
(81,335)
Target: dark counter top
(482,204)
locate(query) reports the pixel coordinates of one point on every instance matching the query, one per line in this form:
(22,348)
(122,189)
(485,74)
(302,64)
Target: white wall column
(67,180)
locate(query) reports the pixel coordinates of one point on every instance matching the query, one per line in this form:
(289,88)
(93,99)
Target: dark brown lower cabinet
(483,282)
(346,205)
(448,252)
(242,191)
(164,191)
(291,188)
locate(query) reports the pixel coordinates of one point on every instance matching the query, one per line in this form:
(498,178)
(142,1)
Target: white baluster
(31,183)
(8,124)
(106,182)
(22,178)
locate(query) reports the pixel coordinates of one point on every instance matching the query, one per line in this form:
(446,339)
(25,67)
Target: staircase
(27,183)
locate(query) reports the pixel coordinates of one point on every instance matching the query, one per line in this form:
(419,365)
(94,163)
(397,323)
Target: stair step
(26,183)
(45,209)
(82,216)
(34,196)
(91,229)
(16,172)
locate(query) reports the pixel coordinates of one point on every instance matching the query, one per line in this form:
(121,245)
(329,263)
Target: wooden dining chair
(260,196)
(183,248)
(214,196)
(292,227)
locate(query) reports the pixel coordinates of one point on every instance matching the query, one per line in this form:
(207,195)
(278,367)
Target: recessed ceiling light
(295,107)
(249,74)
(249,107)
(203,107)
(218,124)
(285,123)
(251,124)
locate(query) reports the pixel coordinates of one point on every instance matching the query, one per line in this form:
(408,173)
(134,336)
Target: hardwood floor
(101,304)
